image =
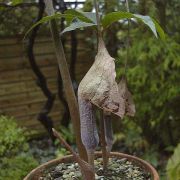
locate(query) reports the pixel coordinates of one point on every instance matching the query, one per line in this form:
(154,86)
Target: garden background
(31,91)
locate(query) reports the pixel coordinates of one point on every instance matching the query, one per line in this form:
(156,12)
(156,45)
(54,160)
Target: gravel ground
(118,169)
(42,149)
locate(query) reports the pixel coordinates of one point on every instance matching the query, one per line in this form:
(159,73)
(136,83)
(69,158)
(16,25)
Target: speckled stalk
(108,133)
(89,134)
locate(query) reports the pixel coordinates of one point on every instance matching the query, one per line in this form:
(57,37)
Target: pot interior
(39,171)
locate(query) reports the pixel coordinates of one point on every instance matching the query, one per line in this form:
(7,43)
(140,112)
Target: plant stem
(103,141)
(68,87)
(98,19)
(128,39)
(69,91)
(102,127)
(127,5)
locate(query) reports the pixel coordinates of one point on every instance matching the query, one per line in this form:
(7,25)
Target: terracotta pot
(36,173)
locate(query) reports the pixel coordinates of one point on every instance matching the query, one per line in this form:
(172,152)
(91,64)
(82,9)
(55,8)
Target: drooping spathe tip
(54,132)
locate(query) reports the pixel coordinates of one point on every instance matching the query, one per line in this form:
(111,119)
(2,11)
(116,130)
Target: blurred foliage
(88,6)
(16,20)
(132,136)
(12,138)
(17,167)
(153,77)
(15,161)
(173,165)
(15,2)
(60,152)
(68,137)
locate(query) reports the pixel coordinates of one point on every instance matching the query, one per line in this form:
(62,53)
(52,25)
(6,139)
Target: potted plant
(97,89)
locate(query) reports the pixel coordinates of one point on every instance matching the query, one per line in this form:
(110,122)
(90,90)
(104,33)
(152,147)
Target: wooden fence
(20,96)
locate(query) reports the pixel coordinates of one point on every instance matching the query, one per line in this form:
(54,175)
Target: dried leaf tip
(126,97)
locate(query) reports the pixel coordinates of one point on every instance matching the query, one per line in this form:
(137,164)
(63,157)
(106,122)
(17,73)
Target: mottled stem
(103,140)
(108,133)
(106,136)
(96,5)
(89,134)
(128,39)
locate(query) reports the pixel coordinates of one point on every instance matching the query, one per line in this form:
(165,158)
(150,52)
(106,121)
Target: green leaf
(77,24)
(76,14)
(85,19)
(15,2)
(91,16)
(115,16)
(148,21)
(159,30)
(43,20)
(173,165)
(88,17)
(151,23)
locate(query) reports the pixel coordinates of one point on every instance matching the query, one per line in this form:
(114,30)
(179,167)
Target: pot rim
(35,173)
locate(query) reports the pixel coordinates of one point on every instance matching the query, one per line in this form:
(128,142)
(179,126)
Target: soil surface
(42,149)
(118,169)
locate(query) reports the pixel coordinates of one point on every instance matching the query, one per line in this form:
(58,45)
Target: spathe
(100,88)
(99,85)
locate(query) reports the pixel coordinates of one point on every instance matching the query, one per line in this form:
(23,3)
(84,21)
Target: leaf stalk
(98,20)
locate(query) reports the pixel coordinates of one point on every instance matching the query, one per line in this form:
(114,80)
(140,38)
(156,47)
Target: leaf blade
(88,17)
(43,20)
(115,16)
(150,22)
(16,2)
(159,30)
(77,25)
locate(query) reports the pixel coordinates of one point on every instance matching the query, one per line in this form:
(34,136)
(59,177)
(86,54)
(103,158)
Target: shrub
(153,75)
(15,161)
(17,167)
(12,138)
(173,165)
